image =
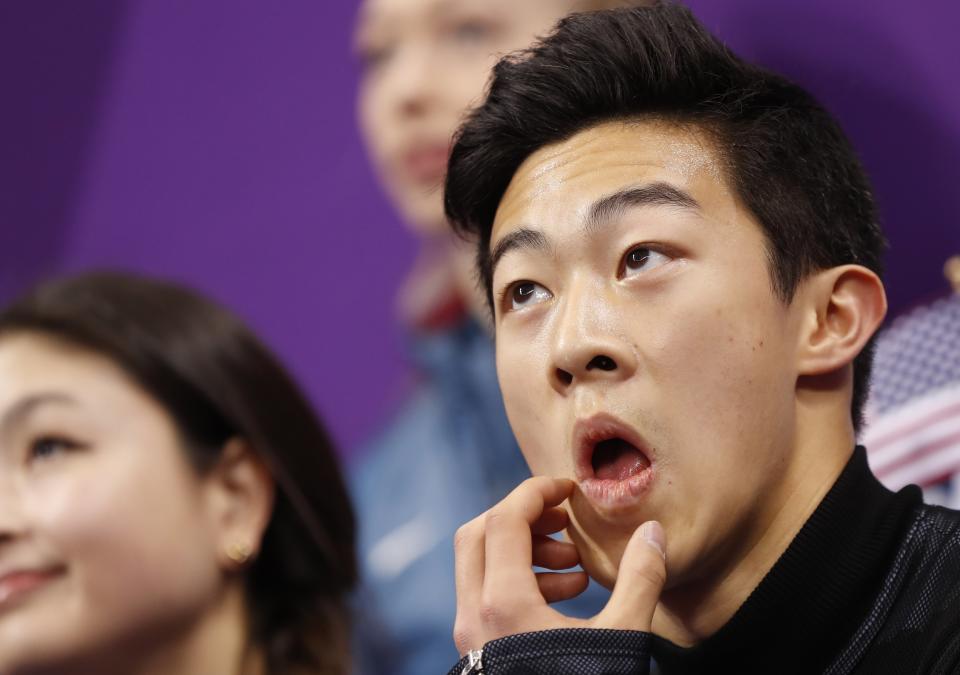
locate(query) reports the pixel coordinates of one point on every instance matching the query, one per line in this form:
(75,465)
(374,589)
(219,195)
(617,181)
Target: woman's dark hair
(787,159)
(218,382)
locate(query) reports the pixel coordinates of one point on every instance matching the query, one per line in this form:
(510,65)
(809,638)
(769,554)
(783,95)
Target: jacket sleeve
(568,651)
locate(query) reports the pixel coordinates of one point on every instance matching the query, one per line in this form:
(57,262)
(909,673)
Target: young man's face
(641,348)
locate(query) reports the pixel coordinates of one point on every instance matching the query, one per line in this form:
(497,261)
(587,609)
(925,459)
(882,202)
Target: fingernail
(652,533)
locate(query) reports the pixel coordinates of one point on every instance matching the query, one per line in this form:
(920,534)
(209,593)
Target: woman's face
(104,541)
(952,271)
(425,64)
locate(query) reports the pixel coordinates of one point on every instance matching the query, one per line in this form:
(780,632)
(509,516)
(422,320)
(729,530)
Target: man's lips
(17,583)
(600,439)
(614,465)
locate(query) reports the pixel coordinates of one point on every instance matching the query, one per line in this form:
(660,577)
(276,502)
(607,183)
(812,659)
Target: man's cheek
(530,446)
(527,401)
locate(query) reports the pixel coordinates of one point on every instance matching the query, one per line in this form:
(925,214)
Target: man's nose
(588,345)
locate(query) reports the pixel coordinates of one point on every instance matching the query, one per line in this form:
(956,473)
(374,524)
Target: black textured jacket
(870,584)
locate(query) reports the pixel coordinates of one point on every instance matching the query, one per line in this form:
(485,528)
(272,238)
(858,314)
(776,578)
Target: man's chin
(600,558)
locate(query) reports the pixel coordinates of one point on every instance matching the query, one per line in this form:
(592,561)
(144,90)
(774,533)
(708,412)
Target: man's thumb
(640,579)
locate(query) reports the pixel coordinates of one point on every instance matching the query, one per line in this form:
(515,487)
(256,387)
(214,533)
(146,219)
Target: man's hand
(498,594)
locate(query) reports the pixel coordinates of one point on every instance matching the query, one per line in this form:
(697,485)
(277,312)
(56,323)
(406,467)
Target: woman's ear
(240,493)
(845,307)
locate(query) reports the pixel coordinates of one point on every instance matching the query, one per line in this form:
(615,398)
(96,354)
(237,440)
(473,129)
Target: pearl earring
(239,552)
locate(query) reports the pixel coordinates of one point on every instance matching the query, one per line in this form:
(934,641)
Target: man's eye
(526,293)
(642,259)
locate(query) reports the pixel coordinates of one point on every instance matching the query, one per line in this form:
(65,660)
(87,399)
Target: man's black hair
(786,158)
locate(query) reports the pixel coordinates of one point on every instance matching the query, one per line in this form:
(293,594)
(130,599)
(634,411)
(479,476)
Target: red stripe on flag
(922,451)
(914,426)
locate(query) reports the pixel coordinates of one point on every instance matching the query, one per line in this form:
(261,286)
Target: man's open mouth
(617,459)
(613,463)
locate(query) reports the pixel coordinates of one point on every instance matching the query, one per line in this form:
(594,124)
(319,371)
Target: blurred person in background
(952,271)
(448,454)
(913,415)
(168,501)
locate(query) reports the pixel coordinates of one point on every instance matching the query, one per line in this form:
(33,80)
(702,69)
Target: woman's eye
(642,259)
(527,293)
(47,447)
(371,58)
(471,32)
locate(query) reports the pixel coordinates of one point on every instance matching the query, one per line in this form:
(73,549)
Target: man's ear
(240,494)
(844,307)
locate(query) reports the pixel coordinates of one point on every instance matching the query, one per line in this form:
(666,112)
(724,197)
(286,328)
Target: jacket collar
(820,590)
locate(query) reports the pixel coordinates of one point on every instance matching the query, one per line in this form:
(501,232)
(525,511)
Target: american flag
(913,415)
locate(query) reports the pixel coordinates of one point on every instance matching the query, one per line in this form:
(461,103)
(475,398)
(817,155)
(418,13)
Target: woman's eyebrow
(25,406)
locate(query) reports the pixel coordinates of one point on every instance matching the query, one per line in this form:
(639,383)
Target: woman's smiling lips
(614,466)
(19,583)
(424,162)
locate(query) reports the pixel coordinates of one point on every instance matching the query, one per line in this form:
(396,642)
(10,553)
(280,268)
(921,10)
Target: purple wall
(223,152)
(889,71)
(214,142)
(52,79)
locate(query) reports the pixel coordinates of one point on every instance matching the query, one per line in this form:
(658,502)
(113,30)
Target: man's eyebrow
(25,406)
(655,194)
(524,238)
